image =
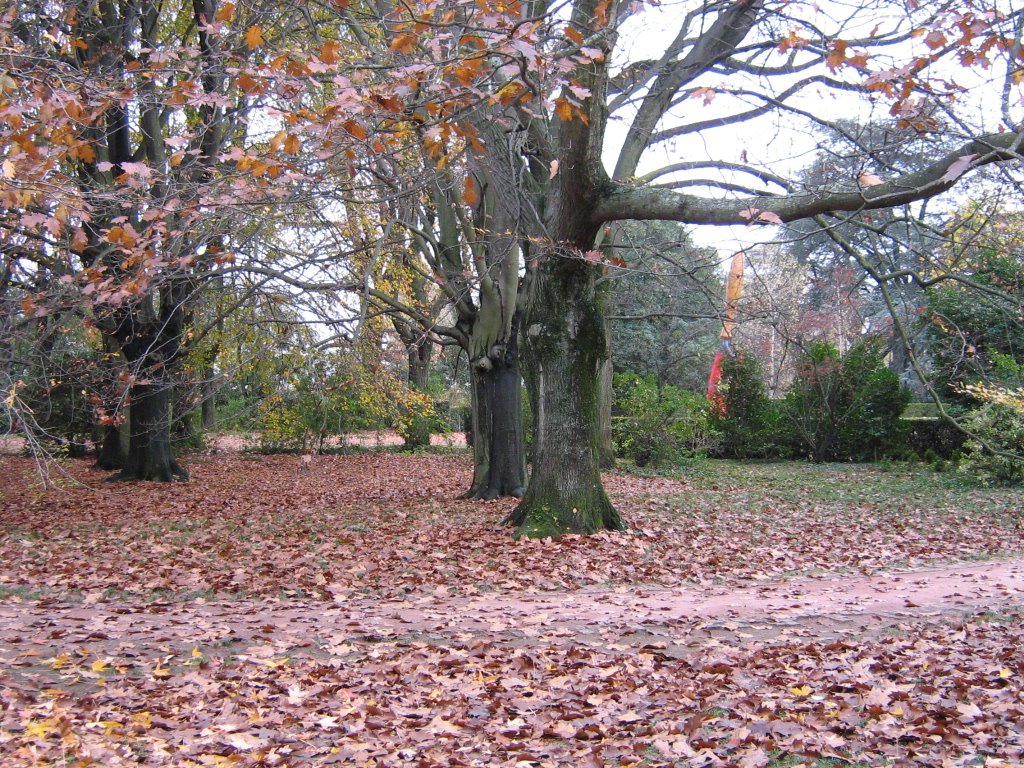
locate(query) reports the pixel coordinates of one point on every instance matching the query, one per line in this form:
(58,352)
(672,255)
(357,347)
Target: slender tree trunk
(185,427)
(499,466)
(565,343)
(419,352)
(606,448)
(209,401)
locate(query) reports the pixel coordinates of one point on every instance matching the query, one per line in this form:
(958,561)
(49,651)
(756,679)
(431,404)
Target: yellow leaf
(142,720)
(196,653)
(99,666)
(225,12)
(59,662)
(803,690)
(1004,673)
(109,726)
(254,37)
(37,730)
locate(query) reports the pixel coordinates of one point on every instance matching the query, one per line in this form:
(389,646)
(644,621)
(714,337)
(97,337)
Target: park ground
(351,610)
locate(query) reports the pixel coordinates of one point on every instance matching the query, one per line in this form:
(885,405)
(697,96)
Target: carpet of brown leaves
(353,611)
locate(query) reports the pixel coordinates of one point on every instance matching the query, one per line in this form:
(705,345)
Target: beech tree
(115,117)
(516,106)
(762,59)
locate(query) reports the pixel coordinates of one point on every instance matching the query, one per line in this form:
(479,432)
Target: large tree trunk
(149,446)
(109,455)
(110,450)
(499,466)
(564,340)
(151,349)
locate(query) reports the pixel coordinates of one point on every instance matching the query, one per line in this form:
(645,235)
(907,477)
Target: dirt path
(675,620)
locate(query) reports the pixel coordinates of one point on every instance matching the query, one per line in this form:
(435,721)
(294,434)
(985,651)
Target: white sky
(780,144)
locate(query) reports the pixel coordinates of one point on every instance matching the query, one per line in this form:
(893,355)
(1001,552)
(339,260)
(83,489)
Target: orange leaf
(254,37)
(225,12)
(292,144)
(574,34)
(329,53)
(469,192)
(248,83)
(79,240)
(837,58)
(356,129)
(405,43)
(564,110)
(868,179)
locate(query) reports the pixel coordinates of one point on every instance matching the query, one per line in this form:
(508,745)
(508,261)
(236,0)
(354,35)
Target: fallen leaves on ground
(127,653)
(388,525)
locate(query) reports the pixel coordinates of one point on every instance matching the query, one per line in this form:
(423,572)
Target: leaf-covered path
(674,619)
(356,614)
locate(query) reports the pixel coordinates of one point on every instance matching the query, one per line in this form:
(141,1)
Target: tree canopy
(483,152)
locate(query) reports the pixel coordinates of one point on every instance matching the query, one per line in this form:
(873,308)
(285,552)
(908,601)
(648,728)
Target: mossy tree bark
(606,446)
(564,342)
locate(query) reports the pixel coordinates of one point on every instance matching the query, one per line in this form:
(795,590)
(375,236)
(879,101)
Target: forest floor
(353,611)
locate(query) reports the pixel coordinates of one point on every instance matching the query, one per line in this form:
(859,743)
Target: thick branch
(727,31)
(645,203)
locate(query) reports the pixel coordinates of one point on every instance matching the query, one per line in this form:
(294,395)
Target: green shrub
(847,408)
(747,419)
(996,457)
(1002,428)
(931,437)
(659,425)
(322,403)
